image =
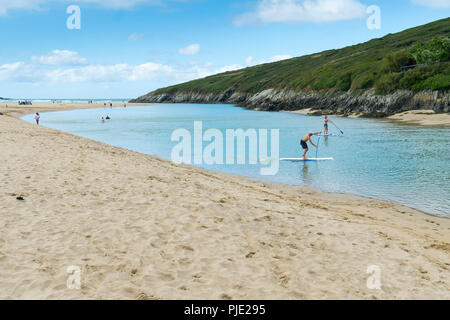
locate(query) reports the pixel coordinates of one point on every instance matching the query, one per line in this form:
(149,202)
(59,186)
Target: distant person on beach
(325,121)
(304,141)
(37,117)
(110,105)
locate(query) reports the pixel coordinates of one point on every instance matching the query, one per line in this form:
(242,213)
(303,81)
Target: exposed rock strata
(343,103)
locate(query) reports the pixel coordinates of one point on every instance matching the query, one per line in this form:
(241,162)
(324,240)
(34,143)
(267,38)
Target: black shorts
(304,145)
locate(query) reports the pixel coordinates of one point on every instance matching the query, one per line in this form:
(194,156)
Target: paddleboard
(306,160)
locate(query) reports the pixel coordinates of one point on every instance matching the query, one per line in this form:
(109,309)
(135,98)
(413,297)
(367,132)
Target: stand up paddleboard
(306,160)
(329,135)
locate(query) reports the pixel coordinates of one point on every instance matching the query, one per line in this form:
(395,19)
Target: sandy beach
(140,227)
(426,118)
(14,110)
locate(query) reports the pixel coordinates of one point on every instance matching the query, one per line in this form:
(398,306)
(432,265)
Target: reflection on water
(304,175)
(406,164)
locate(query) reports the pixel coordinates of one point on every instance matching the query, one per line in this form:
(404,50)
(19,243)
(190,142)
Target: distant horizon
(59,99)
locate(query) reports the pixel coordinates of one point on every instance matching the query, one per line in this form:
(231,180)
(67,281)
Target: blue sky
(126,48)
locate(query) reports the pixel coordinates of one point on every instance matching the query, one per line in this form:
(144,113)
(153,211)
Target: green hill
(416,59)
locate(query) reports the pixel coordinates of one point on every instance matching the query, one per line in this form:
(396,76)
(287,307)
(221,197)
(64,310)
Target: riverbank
(144,228)
(422,118)
(14,110)
(347,104)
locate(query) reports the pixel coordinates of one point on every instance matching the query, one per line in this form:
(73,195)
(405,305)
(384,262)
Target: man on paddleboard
(304,141)
(325,125)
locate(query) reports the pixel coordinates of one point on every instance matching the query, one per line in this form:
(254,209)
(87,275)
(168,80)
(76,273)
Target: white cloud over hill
(268,11)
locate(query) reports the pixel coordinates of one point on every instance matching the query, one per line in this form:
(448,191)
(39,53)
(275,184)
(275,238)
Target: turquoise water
(379,159)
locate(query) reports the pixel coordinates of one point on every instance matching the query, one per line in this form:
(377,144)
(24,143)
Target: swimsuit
(304,145)
(326,125)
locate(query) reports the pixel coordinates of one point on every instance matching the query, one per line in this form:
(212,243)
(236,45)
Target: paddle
(317,149)
(342,132)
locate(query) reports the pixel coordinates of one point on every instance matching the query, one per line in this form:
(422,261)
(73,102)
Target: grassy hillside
(379,63)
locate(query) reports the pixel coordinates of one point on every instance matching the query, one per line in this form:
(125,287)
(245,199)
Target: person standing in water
(304,141)
(37,117)
(325,121)
(102,120)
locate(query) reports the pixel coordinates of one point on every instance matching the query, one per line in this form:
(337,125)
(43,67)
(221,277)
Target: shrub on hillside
(325,83)
(344,82)
(365,82)
(437,82)
(432,77)
(387,83)
(395,61)
(436,50)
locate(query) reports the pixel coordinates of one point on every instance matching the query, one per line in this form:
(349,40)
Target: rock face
(365,103)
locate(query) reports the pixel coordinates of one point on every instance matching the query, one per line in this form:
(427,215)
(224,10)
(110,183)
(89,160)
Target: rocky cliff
(365,103)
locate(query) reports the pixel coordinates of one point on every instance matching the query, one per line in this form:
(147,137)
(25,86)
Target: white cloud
(150,71)
(54,71)
(436,4)
(111,73)
(269,11)
(61,58)
(280,57)
(119,4)
(135,36)
(17,72)
(22,72)
(232,67)
(7,5)
(250,61)
(190,50)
